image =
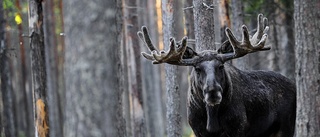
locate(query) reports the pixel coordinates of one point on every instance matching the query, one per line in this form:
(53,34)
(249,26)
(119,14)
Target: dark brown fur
(254,103)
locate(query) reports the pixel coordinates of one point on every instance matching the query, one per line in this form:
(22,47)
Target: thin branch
(209,7)
(132,7)
(187,8)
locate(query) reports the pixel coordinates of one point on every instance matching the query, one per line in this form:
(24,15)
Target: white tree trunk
(307,47)
(92,68)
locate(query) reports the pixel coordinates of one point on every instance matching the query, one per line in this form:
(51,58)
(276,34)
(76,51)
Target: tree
(151,77)
(224,18)
(7,118)
(93,104)
(172,88)
(51,70)
(307,24)
(189,23)
(25,118)
(203,23)
(134,68)
(39,76)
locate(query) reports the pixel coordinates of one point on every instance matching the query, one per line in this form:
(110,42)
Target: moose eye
(221,67)
(198,70)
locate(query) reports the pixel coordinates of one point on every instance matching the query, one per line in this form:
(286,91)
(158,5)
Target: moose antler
(185,56)
(248,45)
(173,56)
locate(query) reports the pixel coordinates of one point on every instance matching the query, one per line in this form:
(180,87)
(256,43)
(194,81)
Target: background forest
(73,68)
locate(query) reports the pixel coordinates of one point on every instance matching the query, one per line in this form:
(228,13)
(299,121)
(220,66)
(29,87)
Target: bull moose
(224,101)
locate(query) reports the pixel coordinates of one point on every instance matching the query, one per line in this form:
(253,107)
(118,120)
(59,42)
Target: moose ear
(189,53)
(226,47)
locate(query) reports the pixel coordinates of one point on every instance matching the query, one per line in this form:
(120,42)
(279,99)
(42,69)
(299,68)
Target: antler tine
(262,28)
(247,45)
(145,38)
(163,56)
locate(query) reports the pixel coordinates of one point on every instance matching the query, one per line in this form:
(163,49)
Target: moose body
(225,101)
(253,104)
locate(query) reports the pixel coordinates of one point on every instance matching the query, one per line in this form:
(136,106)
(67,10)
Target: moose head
(208,64)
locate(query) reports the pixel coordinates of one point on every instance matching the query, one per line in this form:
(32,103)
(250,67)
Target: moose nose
(211,87)
(213,94)
(213,98)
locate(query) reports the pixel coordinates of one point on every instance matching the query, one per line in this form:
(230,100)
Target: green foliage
(257,6)
(267,7)
(8,4)
(252,6)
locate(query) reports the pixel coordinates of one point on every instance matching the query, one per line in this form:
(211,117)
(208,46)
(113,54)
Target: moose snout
(213,95)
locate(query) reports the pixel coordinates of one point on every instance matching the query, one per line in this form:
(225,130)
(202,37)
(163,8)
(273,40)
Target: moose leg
(287,128)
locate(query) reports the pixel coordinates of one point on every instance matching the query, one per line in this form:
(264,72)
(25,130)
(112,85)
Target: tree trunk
(93,103)
(8,119)
(38,68)
(307,47)
(52,69)
(237,20)
(124,88)
(189,19)
(224,19)
(173,93)
(204,24)
(151,78)
(182,72)
(61,57)
(26,96)
(6,91)
(134,70)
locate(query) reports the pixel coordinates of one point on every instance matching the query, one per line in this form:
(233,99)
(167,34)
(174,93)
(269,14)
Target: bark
(237,19)
(224,19)
(182,72)
(204,24)
(189,19)
(172,88)
(151,79)
(7,118)
(51,70)
(7,97)
(61,57)
(93,103)
(38,68)
(124,86)
(26,119)
(307,47)
(134,70)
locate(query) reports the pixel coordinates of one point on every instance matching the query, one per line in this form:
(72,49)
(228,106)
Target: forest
(74,68)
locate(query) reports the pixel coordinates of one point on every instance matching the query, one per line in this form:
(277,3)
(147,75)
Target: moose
(224,101)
